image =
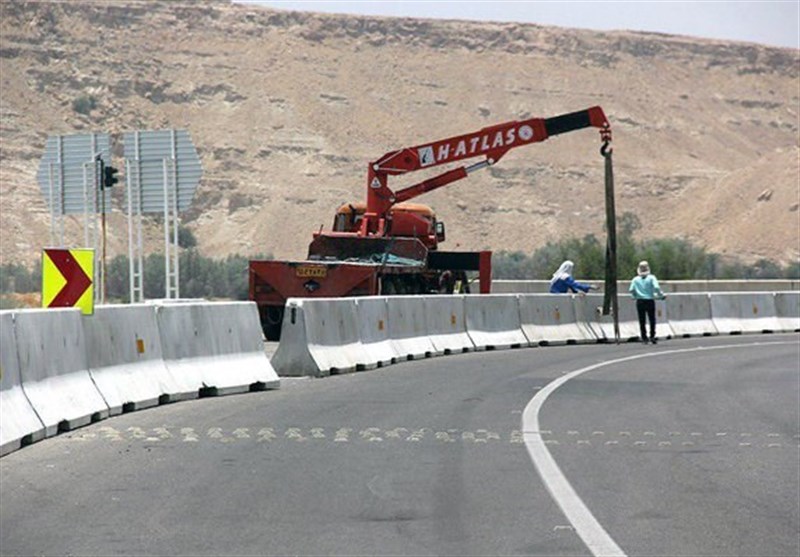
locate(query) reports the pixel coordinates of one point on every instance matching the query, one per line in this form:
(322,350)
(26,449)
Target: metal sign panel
(67,173)
(161,161)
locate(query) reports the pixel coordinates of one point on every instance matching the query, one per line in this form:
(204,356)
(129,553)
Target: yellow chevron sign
(67,277)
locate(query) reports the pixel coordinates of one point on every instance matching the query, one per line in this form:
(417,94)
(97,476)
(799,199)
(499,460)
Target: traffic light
(109,177)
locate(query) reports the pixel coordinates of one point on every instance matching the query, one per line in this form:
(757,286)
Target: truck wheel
(271,321)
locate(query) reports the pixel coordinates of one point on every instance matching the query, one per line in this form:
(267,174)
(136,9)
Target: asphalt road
(691,449)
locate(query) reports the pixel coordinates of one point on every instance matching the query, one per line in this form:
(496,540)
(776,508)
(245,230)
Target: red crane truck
(388,246)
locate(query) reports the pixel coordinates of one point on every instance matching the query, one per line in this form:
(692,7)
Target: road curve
(672,449)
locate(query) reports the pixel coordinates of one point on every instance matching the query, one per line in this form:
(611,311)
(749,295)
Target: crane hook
(605,137)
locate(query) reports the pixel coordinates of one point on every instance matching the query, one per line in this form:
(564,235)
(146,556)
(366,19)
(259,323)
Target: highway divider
(590,308)
(125,358)
(19,423)
(319,337)
(744,312)
(324,336)
(493,322)
(214,348)
(552,319)
(690,315)
(408,328)
(668,286)
(447,324)
(373,322)
(54,367)
(61,370)
(787,308)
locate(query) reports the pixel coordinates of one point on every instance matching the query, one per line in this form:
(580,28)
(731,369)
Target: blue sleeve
(558,287)
(574,285)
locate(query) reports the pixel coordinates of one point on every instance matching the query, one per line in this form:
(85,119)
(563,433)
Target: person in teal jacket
(646,290)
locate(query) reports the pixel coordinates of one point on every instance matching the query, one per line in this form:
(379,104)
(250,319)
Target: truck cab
(412,220)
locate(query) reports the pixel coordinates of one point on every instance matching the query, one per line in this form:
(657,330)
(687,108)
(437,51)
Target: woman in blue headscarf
(562,281)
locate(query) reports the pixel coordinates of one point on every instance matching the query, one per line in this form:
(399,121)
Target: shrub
(84,104)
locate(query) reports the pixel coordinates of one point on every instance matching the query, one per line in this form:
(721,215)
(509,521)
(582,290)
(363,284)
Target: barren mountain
(286,110)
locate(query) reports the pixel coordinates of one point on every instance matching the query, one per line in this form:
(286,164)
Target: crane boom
(492,143)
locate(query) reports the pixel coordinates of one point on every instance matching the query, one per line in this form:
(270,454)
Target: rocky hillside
(286,110)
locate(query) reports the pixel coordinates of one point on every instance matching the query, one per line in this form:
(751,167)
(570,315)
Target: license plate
(311,271)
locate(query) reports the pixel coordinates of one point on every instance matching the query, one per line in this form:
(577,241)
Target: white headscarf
(564,272)
(643,269)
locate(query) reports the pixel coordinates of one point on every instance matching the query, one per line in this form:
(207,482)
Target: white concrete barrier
(373,323)
(19,423)
(408,328)
(493,321)
(787,309)
(54,369)
(744,312)
(125,358)
(690,315)
(446,324)
(552,319)
(668,286)
(501,286)
(319,336)
(708,286)
(215,348)
(589,309)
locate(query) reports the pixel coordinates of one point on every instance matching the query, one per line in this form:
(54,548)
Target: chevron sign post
(67,277)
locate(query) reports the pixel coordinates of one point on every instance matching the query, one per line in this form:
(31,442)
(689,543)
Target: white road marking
(597,540)
(266,434)
(401,434)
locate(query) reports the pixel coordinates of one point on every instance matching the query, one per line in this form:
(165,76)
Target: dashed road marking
(478,437)
(342,435)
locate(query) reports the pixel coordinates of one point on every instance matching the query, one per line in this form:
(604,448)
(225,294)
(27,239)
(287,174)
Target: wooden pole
(610,298)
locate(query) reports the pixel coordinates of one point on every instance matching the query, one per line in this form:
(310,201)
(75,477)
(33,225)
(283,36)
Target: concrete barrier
(54,369)
(707,286)
(319,336)
(373,323)
(690,315)
(787,309)
(744,312)
(520,286)
(19,423)
(214,348)
(125,358)
(446,324)
(589,309)
(552,319)
(408,328)
(668,286)
(493,321)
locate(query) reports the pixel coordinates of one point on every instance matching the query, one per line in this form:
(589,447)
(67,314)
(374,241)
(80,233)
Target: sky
(768,22)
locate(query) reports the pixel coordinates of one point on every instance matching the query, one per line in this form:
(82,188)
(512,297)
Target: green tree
(117,282)
(186,238)
(511,265)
